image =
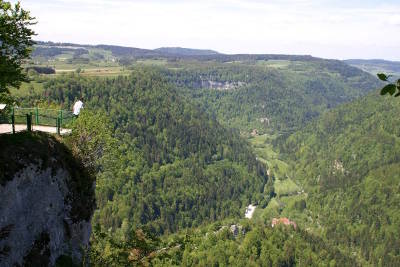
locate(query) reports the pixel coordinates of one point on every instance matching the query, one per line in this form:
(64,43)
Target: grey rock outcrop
(44,211)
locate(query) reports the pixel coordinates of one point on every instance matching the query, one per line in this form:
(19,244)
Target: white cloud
(321,28)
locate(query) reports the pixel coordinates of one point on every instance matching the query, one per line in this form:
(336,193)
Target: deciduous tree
(15,43)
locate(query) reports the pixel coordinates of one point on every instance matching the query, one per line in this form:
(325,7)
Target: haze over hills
(167,52)
(310,84)
(41,47)
(374,66)
(51,49)
(186,51)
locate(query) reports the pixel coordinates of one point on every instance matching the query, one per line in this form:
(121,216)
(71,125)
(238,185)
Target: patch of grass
(271,211)
(286,187)
(156,62)
(64,56)
(287,203)
(274,63)
(26,89)
(266,154)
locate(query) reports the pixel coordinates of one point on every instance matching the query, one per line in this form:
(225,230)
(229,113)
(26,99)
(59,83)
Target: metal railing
(38,116)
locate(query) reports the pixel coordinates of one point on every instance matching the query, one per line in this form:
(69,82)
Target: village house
(284,221)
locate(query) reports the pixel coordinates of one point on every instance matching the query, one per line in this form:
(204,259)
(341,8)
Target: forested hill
(349,162)
(175,166)
(375,66)
(274,94)
(52,50)
(264,92)
(185,51)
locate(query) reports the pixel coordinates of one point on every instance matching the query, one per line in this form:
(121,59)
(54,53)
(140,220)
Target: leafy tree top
(15,43)
(390,88)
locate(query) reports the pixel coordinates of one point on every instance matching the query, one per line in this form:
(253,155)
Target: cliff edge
(47,200)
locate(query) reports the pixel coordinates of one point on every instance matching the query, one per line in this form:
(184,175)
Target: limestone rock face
(45,208)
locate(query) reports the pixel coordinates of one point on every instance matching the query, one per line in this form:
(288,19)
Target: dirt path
(7,128)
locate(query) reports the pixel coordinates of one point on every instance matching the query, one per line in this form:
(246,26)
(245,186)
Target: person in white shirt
(77,107)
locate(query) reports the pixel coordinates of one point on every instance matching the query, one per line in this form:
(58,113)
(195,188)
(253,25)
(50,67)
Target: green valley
(194,139)
(264,147)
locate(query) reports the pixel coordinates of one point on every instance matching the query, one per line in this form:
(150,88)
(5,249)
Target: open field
(286,187)
(266,154)
(274,63)
(28,89)
(95,71)
(290,198)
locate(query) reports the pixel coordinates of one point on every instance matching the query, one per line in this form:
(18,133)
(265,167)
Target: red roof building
(284,221)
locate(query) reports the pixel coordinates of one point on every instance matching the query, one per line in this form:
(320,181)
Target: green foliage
(216,245)
(15,43)
(40,70)
(166,161)
(349,162)
(170,165)
(91,139)
(10,101)
(390,88)
(258,245)
(248,96)
(285,187)
(137,248)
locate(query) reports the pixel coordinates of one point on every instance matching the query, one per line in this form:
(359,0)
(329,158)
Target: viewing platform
(16,119)
(7,128)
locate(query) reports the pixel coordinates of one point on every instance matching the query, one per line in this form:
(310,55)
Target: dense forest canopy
(184,143)
(348,159)
(272,95)
(179,161)
(173,158)
(176,172)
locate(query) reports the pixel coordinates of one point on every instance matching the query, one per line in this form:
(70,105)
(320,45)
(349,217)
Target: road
(7,128)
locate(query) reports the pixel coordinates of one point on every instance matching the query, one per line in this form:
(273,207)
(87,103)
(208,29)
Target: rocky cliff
(47,200)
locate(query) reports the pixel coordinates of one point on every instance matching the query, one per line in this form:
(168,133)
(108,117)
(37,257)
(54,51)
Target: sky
(323,28)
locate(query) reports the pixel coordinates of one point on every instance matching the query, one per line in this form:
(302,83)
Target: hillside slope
(274,94)
(375,66)
(175,166)
(186,51)
(349,162)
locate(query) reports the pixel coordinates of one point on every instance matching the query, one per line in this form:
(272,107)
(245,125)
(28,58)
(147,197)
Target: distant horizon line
(220,53)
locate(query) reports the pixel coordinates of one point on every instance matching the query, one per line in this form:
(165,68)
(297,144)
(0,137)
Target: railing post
(37,116)
(29,122)
(61,117)
(13,120)
(58,126)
